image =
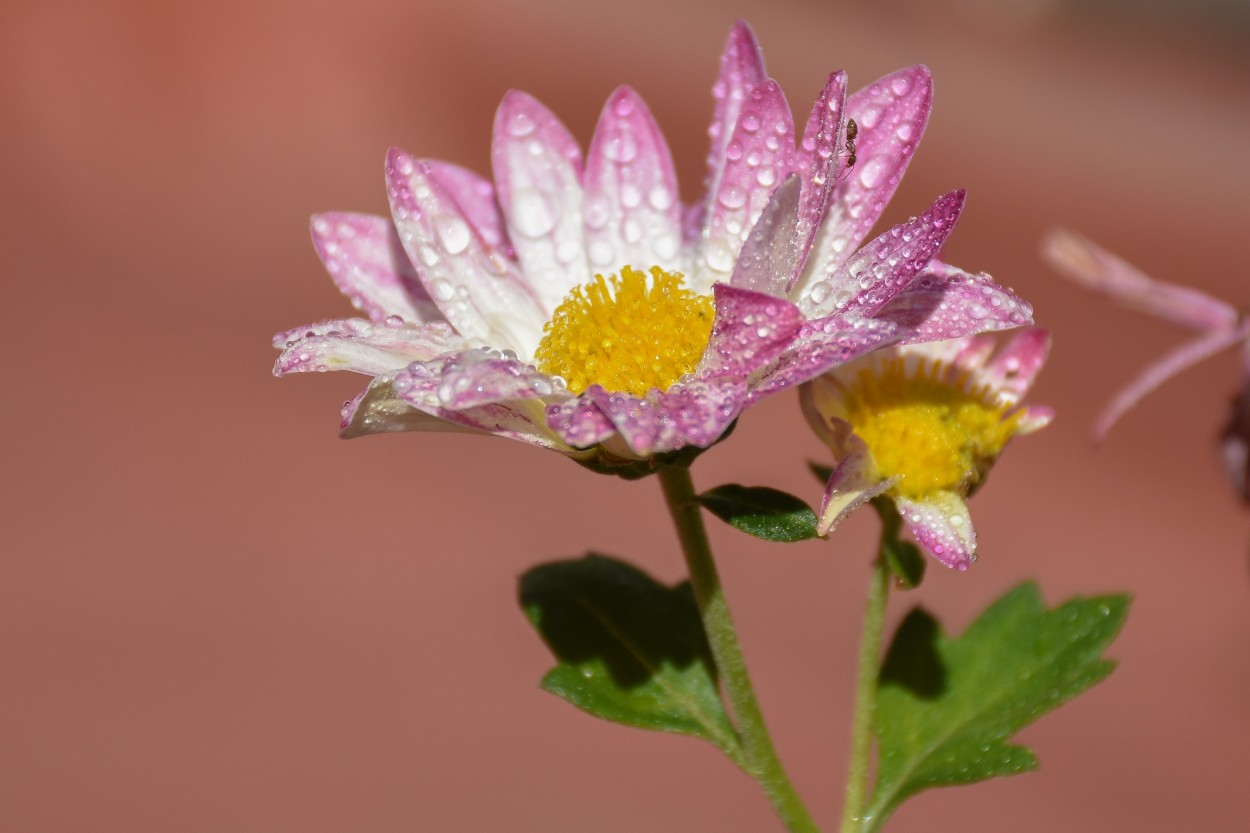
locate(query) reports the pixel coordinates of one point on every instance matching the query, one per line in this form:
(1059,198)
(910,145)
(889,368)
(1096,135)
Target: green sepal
(628,649)
(947,708)
(763,512)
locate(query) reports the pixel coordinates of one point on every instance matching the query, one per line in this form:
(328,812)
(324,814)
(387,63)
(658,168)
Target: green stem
(866,685)
(761,760)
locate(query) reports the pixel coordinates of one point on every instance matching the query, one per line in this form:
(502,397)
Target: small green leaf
(947,708)
(763,512)
(628,648)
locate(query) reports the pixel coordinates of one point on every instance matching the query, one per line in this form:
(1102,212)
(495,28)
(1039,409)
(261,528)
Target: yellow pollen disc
(628,334)
(934,434)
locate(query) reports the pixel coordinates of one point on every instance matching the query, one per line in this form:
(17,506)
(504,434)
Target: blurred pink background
(215,615)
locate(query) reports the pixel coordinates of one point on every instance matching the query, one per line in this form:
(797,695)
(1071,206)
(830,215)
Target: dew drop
(732,197)
(901,85)
(521,124)
(533,214)
(453,233)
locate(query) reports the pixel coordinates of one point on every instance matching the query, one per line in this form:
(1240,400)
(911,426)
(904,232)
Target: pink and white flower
(463,286)
(922,424)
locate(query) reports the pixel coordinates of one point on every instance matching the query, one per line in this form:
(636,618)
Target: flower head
(577,305)
(1219,326)
(923,424)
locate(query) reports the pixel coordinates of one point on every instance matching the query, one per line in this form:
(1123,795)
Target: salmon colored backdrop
(216,616)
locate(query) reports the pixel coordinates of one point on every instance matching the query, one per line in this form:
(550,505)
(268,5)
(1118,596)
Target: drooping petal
(945,302)
(367,262)
(891,114)
(757,158)
(377,410)
(821,345)
(538,172)
(694,412)
(816,160)
(476,197)
(1180,359)
(887,265)
(770,251)
(475,286)
(631,209)
(750,331)
(470,379)
(741,70)
(361,346)
(941,524)
(855,481)
(1095,268)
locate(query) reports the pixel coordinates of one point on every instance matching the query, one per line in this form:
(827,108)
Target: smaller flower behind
(922,424)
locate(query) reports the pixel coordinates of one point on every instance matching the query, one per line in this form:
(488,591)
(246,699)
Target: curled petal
(470,379)
(891,114)
(757,158)
(817,159)
(941,524)
(1180,359)
(475,286)
(367,262)
(770,252)
(750,331)
(377,410)
(361,346)
(945,303)
(855,481)
(580,423)
(886,266)
(631,209)
(1095,268)
(695,413)
(538,172)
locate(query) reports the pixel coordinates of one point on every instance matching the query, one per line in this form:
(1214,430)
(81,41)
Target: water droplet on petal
(453,233)
(533,214)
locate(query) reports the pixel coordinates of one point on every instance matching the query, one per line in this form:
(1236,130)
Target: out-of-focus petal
(1013,370)
(891,114)
(367,262)
(770,251)
(941,524)
(1180,359)
(475,286)
(945,303)
(538,172)
(887,265)
(816,159)
(1095,268)
(750,331)
(695,412)
(757,158)
(631,208)
(361,346)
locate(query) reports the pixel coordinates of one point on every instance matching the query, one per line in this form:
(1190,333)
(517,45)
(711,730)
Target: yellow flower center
(628,334)
(933,434)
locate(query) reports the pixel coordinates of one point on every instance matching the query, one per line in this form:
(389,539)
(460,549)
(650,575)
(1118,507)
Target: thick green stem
(866,685)
(761,760)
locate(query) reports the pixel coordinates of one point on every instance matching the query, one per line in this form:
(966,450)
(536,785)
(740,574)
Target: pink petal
(821,345)
(476,197)
(1099,270)
(855,481)
(538,173)
(757,158)
(1015,367)
(474,284)
(376,410)
(816,159)
(741,70)
(1180,359)
(887,265)
(695,413)
(363,255)
(580,423)
(945,302)
(361,346)
(891,115)
(750,331)
(942,526)
(769,255)
(631,210)
(470,379)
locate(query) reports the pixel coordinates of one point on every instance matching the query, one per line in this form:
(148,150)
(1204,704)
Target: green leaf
(763,512)
(947,708)
(628,648)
